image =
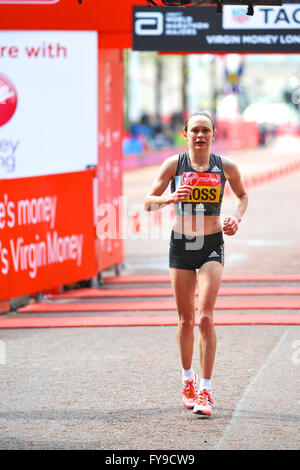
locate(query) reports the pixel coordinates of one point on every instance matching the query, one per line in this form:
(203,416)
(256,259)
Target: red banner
(113,19)
(110,122)
(47,232)
(238,134)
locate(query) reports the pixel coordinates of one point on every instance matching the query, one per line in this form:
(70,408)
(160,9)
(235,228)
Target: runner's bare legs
(184,285)
(209,281)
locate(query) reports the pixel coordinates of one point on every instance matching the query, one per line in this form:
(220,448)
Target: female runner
(196,256)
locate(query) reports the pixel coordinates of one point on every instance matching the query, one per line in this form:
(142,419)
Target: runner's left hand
(230,225)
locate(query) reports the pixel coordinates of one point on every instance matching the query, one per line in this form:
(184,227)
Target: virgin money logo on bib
(189,178)
(8,100)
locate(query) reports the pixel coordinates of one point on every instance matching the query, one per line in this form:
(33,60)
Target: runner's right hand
(182,193)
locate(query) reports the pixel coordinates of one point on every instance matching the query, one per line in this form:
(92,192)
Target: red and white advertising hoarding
(47,233)
(110,247)
(57,102)
(48,109)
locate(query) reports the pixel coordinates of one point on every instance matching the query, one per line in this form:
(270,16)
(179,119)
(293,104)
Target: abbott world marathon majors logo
(149,23)
(8,99)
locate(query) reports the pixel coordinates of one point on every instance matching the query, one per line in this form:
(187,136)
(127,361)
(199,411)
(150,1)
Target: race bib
(206,186)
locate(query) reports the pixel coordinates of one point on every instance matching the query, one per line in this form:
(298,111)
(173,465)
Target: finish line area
(134,308)
(98,368)
(62,367)
(142,296)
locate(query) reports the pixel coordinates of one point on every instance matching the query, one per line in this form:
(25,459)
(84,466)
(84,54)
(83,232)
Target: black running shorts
(192,252)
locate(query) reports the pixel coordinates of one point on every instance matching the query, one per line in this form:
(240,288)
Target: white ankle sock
(187,374)
(205,384)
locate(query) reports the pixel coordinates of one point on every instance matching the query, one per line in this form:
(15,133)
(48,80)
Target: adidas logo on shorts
(214,254)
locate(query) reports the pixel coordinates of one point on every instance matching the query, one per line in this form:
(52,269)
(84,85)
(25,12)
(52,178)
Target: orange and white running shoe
(189,392)
(203,403)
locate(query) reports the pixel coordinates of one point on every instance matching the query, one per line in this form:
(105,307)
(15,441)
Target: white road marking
(239,407)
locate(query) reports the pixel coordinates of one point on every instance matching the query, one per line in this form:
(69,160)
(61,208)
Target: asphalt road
(119,388)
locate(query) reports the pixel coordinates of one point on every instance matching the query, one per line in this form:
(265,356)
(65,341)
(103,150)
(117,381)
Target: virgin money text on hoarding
(47,232)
